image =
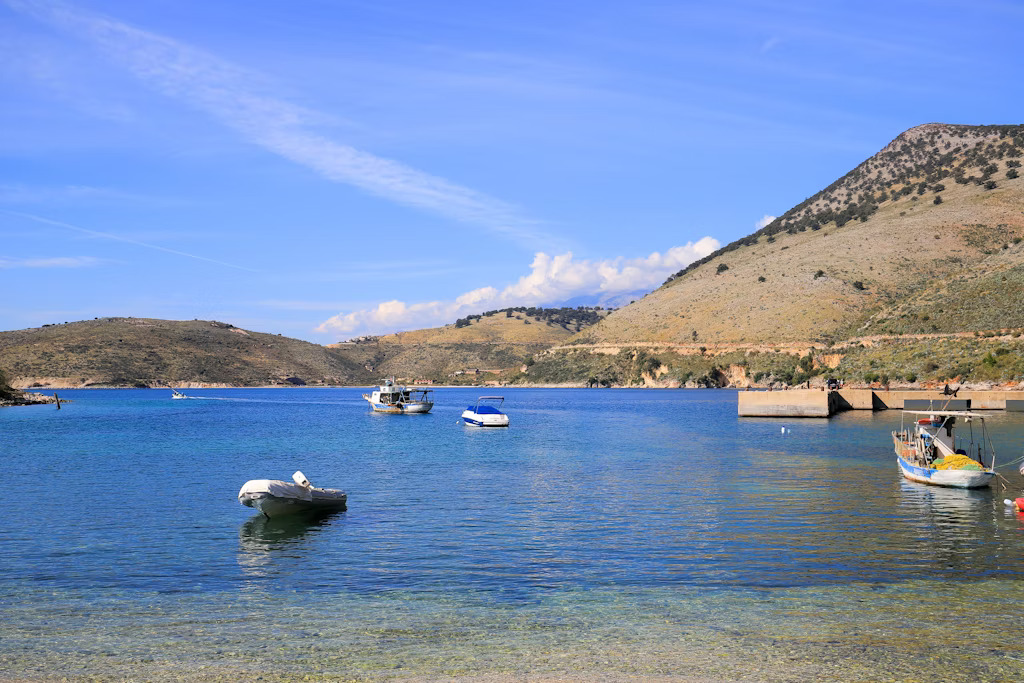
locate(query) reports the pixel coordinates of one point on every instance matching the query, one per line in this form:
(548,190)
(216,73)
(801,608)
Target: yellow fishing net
(957,462)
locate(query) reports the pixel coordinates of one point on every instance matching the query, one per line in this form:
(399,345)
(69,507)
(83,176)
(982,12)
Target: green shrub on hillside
(627,367)
(937,360)
(581,316)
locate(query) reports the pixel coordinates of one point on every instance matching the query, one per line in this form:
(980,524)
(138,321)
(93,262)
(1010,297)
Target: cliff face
(6,392)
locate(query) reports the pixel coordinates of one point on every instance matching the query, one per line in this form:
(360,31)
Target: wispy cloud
(120,238)
(228,94)
(52,262)
(35,194)
(765,220)
(552,279)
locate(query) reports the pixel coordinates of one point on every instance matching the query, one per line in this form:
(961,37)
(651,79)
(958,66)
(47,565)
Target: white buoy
(1022,469)
(783,430)
(1007,501)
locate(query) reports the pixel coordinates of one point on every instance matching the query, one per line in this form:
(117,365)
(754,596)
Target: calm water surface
(605,534)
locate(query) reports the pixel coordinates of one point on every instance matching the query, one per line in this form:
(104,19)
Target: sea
(606,534)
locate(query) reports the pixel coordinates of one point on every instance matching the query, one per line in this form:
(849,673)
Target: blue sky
(327,169)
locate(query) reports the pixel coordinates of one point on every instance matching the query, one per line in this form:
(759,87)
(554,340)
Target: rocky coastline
(25,398)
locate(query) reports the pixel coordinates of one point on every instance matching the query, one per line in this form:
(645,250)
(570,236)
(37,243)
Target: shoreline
(894,386)
(29,398)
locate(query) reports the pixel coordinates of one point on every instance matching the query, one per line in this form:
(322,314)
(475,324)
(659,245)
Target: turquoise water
(606,534)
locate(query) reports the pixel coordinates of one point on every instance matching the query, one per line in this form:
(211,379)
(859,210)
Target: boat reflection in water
(956,505)
(263,540)
(950,524)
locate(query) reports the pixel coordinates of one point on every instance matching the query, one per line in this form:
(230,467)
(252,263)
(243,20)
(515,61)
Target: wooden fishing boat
(929,449)
(397,399)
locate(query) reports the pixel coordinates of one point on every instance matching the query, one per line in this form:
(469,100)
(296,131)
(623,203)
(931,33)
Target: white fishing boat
(177,394)
(486,413)
(276,498)
(929,450)
(395,398)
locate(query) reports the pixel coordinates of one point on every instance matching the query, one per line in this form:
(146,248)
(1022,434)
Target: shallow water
(605,534)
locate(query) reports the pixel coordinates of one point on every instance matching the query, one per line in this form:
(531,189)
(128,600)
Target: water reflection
(954,527)
(959,504)
(261,539)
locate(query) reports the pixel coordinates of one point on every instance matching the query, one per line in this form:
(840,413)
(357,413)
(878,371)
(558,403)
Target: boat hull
(484,419)
(278,506)
(961,479)
(411,408)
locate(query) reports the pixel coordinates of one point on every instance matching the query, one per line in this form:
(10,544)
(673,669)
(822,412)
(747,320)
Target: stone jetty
(824,403)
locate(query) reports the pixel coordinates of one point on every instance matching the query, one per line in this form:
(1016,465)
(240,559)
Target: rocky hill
(159,353)
(924,238)
(492,346)
(144,352)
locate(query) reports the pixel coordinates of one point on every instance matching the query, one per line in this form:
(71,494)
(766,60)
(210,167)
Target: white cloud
(552,279)
(227,93)
(765,220)
(52,262)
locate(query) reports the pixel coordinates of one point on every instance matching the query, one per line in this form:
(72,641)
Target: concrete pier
(980,400)
(791,403)
(819,403)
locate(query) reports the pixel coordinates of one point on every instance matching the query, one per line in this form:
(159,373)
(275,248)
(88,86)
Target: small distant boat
(485,413)
(929,450)
(395,398)
(177,394)
(276,498)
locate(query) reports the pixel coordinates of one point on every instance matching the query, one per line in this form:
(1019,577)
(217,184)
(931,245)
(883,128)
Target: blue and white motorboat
(175,394)
(397,399)
(486,413)
(929,451)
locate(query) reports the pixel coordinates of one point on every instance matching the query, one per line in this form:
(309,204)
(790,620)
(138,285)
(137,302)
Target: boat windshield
(488,405)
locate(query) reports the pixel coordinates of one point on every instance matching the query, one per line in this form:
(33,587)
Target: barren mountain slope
(857,257)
